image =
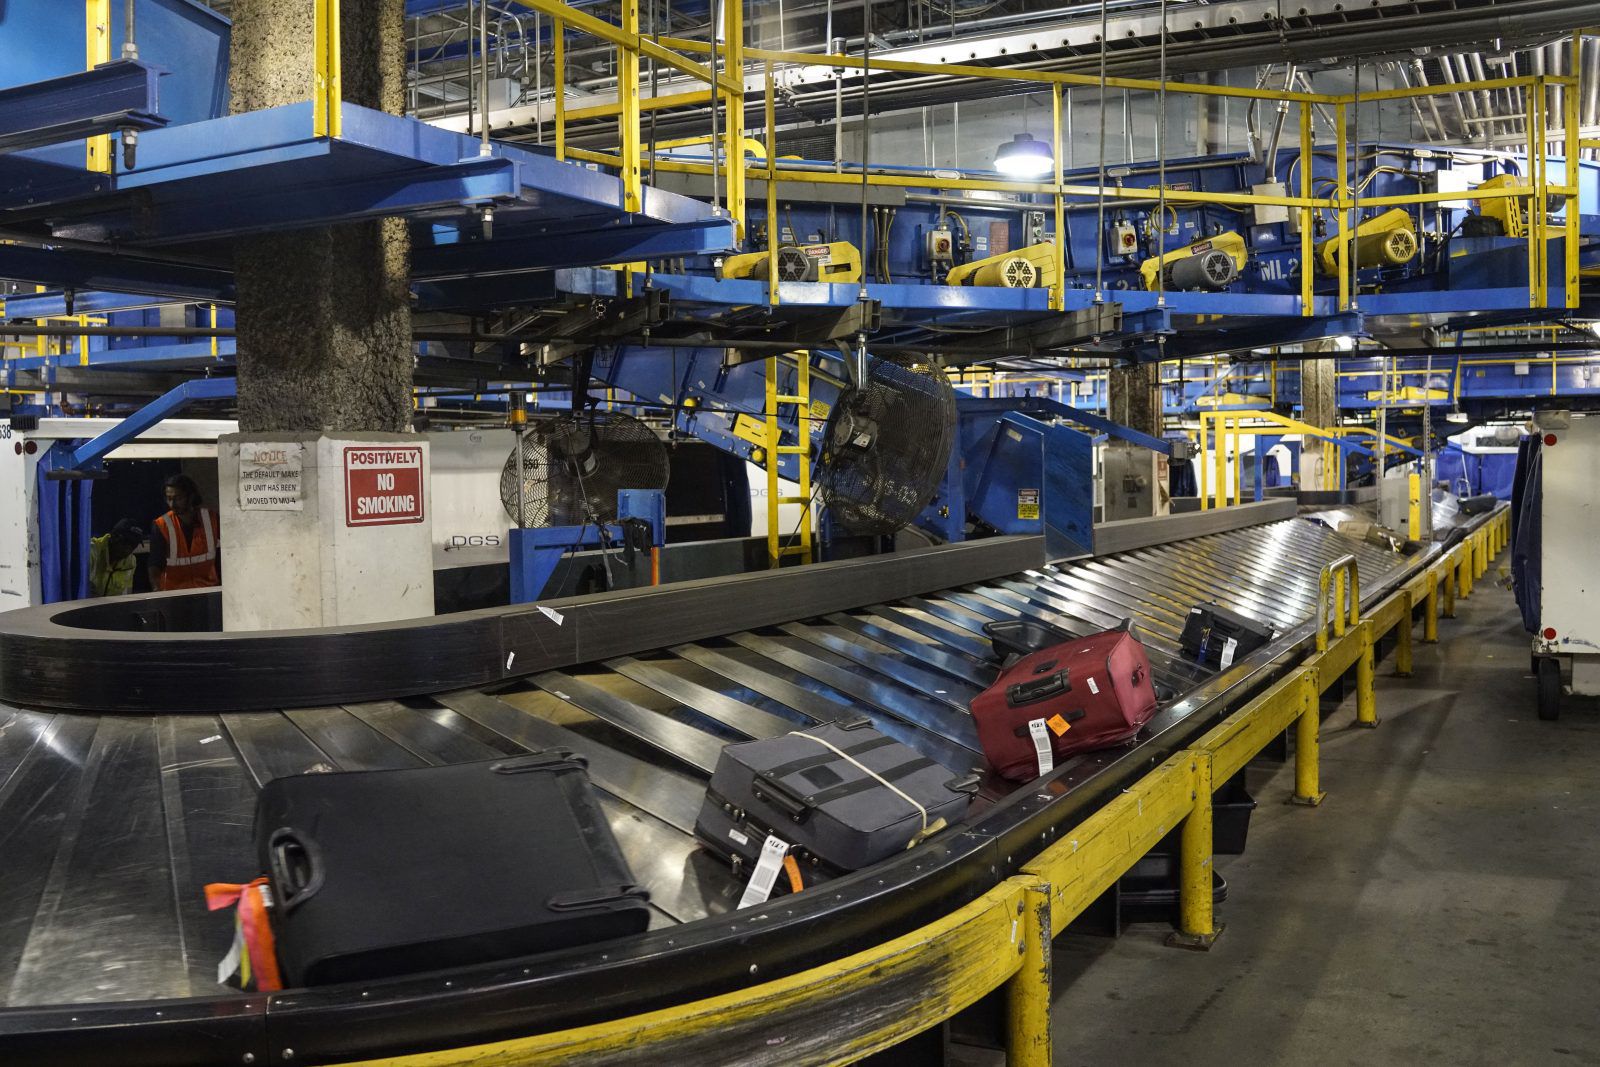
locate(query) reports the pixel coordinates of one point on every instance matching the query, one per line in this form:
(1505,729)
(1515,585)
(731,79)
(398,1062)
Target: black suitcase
(1218,638)
(381,873)
(809,789)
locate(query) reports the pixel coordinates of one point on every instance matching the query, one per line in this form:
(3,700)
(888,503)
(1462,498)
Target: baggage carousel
(133,741)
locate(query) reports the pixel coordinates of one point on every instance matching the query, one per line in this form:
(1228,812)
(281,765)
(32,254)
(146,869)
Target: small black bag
(381,873)
(1219,638)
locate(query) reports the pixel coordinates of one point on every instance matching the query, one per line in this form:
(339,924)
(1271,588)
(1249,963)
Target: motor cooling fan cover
(573,466)
(886,447)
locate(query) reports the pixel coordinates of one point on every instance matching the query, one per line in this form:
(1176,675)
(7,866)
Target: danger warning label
(382,485)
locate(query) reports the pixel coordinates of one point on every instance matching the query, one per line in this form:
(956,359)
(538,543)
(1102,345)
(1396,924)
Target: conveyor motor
(1027,268)
(1211,264)
(836,261)
(1386,240)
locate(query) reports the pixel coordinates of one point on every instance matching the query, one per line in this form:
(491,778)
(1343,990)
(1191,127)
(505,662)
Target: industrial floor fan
(572,466)
(886,447)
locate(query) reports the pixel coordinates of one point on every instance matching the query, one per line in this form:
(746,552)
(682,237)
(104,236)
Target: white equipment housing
(1569,595)
(19,483)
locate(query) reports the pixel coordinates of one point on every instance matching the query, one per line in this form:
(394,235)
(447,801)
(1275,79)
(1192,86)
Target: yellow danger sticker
(1027,503)
(1058,724)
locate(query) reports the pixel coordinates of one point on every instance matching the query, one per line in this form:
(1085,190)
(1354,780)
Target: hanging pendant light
(1024,157)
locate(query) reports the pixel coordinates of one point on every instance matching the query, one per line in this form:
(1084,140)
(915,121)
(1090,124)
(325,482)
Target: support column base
(1195,942)
(1313,801)
(1373,725)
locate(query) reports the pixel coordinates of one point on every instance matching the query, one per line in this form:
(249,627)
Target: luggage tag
(1041,745)
(1229,646)
(765,873)
(253,955)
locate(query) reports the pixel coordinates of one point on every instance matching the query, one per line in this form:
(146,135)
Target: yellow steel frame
(848,1009)
(1225,430)
(726,89)
(97,50)
(327,111)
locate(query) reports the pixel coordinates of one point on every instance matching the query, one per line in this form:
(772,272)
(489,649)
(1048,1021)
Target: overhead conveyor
(114,810)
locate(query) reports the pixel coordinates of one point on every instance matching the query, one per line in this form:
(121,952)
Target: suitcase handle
(296,867)
(1037,689)
(779,796)
(555,759)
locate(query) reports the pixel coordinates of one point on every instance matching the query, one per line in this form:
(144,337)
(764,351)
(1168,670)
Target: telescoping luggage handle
(295,862)
(1036,689)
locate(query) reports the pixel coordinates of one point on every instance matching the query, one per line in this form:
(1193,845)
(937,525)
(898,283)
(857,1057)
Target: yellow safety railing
(726,78)
(833,1013)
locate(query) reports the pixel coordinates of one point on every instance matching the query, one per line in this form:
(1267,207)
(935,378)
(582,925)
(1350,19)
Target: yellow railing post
(628,119)
(1197,926)
(327,112)
(558,79)
(97,50)
(1430,608)
(1058,288)
(1307,219)
(733,132)
(1402,650)
(1571,102)
(1200,465)
(1366,697)
(1308,744)
(1340,166)
(1448,577)
(1028,991)
(770,117)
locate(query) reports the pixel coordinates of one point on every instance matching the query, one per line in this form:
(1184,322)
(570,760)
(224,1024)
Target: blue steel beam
(116,272)
(557,249)
(54,305)
(470,183)
(160,408)
(110,97)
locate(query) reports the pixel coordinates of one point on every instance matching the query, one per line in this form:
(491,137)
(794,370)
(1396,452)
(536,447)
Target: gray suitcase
(802,788)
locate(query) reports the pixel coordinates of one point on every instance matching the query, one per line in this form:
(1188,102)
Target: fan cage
(910,415)
(574,465)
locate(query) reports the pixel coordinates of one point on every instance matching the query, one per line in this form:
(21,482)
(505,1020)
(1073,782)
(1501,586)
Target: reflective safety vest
(192,559)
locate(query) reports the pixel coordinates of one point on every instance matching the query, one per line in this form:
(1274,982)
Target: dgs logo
(473,541)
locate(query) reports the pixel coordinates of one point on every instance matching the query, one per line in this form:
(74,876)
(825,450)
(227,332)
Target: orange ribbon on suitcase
(258,957)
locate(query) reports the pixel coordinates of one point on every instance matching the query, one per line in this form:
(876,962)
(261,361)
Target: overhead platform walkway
(129,764)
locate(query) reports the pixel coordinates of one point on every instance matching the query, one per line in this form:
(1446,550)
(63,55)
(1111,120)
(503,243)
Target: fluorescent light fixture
(1023,157)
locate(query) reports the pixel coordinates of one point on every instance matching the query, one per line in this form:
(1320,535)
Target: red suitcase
(1082,694)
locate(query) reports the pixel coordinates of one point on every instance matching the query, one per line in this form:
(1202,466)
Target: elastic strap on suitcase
(926,830)
(805,763)
(861,785)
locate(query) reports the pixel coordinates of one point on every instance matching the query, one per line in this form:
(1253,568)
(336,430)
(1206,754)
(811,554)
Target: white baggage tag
(1041,746)
(1228,648)
(766,872)
(230,963)
(1093,688)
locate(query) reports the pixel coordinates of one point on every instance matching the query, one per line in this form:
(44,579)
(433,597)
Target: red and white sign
(382,485)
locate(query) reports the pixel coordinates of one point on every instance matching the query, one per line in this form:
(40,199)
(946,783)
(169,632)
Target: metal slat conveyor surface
(111,824)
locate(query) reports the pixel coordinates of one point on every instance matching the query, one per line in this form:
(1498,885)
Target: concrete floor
(1443,905)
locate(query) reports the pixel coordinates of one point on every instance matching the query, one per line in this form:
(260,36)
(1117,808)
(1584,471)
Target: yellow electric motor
(839,261)
(1386,240)
(1211,264)
(1033,267)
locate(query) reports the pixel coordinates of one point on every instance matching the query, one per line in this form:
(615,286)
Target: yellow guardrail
(874,999)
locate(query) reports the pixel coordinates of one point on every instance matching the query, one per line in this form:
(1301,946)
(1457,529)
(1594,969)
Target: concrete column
(1319,406)
(323,503)
(1133,396)
(324,316)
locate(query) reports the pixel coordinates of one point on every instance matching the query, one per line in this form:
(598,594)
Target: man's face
(120,549)
(177,500)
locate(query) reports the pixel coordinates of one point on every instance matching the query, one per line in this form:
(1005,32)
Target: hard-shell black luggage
(839,795)
(1218,638)
(380,873)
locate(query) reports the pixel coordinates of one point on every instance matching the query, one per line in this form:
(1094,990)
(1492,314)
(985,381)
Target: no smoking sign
(382,485)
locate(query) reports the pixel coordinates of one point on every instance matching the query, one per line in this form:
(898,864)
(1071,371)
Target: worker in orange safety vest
(184,542)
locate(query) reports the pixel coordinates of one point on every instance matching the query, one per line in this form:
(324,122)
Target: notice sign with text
(271,477)
(382,484)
